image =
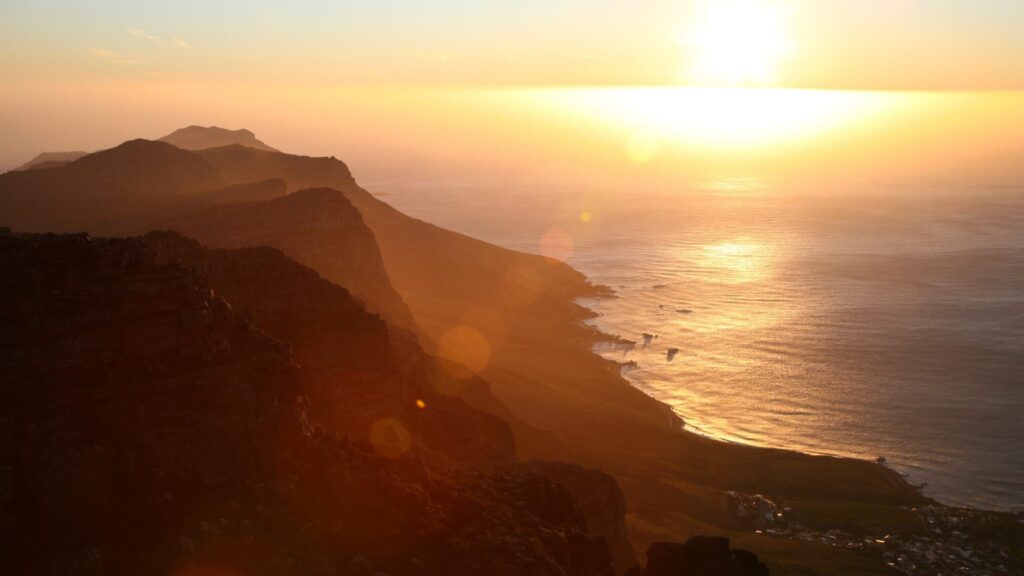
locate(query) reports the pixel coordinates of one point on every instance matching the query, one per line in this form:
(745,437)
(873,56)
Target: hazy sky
(876,44)
(328,77)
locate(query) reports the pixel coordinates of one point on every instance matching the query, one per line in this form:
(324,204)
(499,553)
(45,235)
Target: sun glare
(738,42)
(720,117)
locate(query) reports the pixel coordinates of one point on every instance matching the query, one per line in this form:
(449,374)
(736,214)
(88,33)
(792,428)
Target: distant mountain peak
(51,160)
(205,137)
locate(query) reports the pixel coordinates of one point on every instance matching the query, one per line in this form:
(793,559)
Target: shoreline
(676,483)
(905,537)
(610,341)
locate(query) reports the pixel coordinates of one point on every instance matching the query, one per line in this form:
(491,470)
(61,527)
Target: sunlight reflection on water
(813,308)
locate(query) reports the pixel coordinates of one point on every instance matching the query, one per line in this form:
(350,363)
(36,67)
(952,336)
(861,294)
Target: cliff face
(316,227)
(217,197)
(357,370)
(147,427)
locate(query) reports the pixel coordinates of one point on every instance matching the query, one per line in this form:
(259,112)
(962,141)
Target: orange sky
(840,44)
(401,84)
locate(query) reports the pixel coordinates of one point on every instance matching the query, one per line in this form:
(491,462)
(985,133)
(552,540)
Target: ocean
(873,322)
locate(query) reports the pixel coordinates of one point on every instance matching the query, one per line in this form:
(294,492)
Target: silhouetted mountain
(149,428)
(127,190)
(51,160)
(203,137)
(104,190)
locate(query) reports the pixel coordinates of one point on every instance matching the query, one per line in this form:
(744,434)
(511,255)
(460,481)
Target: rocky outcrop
(599,499)
(147,427)
(702,556)
(203,137)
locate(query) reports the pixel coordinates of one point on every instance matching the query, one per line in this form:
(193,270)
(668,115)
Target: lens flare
(556,244)
(389,438)
(643,147)
(464,351)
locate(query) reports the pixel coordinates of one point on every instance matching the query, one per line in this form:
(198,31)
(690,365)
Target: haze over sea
(867,320)
(892,327)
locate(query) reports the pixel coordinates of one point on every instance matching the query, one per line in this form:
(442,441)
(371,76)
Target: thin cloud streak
(140,33)
(111,56)
(174,41)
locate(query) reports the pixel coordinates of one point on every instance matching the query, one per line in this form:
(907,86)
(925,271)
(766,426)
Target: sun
(738,42)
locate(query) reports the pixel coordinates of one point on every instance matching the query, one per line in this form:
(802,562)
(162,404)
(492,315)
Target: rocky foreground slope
(148,427)
(356,369)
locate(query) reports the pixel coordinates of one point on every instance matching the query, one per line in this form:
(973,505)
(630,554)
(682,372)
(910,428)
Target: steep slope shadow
(148,428)
(318,228)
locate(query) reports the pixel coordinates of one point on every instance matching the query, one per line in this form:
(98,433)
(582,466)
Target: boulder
(702,556)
